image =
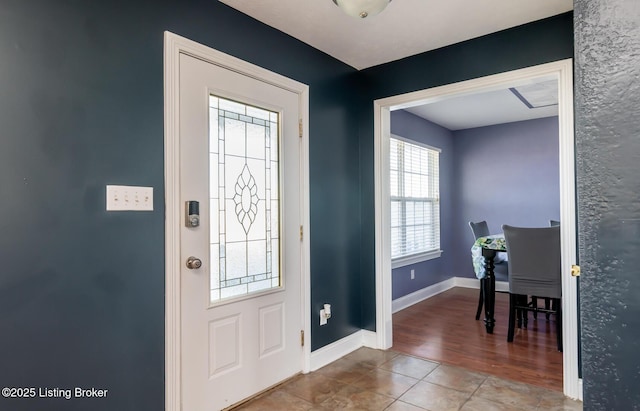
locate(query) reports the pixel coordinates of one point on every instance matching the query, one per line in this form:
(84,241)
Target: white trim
(415,297)
(306,222)
(568,212)
(466,282)
(421,295)
(415,258)
(173,388)
(382,132)
(416,142)
(369,338)
(580,389)
(364,338)
(560,70)
(174,45)
(338,349)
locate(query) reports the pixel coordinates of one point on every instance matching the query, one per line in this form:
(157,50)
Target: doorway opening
(561,71)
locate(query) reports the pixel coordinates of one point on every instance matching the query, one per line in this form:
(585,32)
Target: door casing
(563,71)
(174,45)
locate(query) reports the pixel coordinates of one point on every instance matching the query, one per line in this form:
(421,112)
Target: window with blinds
(415,200)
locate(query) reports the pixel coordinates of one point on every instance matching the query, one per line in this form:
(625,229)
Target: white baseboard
(502,286)
(364,338)
(410,299)
(369,339)
(580,389)
(422,294)
(466,282)
(338,349)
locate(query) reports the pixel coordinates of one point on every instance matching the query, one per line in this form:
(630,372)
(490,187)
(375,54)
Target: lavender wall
(429,272)
(525,192)
(504,174)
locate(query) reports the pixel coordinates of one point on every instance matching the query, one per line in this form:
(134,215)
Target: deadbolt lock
(192,214)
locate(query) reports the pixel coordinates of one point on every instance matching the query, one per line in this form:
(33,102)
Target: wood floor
(443,328)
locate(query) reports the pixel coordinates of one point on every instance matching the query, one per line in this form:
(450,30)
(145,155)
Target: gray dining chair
(547,301)
(479,229)
(501,270)
(534,270)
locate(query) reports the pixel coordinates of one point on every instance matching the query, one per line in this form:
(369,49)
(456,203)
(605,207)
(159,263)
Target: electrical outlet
(129,198)
(413,274)
(323,318)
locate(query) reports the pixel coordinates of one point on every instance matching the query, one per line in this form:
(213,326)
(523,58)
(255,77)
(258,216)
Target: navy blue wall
(527,45)
(523,191)
(607,97)
(407,125)
(81,106)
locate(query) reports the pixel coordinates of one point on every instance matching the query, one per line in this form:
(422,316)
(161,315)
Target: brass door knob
(575,270)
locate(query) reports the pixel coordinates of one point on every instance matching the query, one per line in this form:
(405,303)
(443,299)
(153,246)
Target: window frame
(425,255)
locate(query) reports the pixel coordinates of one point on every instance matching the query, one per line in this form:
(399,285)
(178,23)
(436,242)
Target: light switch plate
(129,198)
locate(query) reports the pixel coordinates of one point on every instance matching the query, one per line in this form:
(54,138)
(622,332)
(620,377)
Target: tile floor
(370,380)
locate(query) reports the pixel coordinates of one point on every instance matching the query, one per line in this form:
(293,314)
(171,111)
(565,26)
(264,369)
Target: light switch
(129,198)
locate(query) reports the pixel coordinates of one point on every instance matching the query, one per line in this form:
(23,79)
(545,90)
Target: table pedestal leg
(489,290)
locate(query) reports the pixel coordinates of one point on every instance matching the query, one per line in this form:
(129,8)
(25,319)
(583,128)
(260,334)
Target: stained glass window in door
(244,198)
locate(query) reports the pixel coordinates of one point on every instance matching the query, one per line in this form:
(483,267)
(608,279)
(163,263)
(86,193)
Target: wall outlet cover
(323,318)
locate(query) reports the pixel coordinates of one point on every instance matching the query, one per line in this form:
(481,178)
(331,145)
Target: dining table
(483,253)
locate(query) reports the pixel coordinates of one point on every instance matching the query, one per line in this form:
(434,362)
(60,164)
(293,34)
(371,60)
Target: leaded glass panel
(244,199)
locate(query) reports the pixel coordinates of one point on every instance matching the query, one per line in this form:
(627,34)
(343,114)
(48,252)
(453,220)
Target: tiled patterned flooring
(370,380)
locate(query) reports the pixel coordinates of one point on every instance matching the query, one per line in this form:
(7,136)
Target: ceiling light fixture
(362,8)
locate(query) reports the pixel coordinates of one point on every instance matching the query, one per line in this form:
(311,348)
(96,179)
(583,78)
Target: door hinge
(301,233)
(300,128)
(575,270)
(302,338)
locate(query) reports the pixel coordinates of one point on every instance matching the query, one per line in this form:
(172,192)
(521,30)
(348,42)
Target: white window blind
(415,199)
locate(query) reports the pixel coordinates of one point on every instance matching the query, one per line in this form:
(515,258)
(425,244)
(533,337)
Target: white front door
(241,314)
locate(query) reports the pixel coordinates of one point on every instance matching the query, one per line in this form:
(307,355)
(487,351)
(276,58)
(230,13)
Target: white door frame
(563,71)
(174,45)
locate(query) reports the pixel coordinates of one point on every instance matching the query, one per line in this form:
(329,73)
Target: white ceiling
(404,28)
(408,27)
(489,108)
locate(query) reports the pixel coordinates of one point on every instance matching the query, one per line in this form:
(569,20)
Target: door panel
(241,310)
